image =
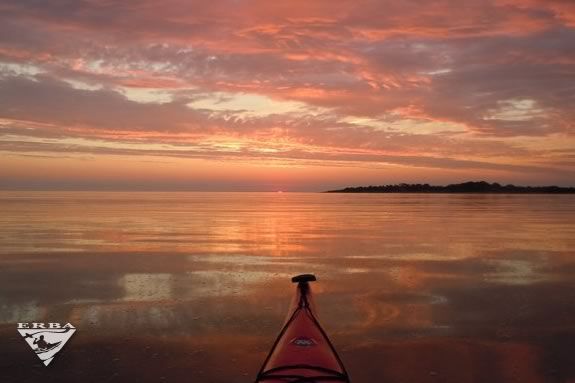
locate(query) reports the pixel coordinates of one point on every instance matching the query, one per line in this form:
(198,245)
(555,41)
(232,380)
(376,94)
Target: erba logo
(46,339)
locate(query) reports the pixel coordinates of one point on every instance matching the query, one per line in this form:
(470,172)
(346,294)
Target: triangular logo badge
(46,343)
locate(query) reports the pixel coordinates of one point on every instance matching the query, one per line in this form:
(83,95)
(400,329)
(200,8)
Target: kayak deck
(302,351)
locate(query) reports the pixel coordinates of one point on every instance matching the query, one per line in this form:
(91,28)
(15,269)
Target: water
(182,287)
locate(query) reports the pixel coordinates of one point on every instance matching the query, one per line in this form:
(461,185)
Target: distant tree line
(466,187)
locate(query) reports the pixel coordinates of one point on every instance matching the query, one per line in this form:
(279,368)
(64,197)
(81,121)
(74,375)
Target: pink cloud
(472,66)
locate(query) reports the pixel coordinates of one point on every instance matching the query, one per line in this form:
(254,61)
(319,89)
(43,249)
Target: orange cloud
(441,86)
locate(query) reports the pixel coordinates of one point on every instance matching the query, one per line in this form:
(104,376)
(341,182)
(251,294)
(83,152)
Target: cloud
(496,74)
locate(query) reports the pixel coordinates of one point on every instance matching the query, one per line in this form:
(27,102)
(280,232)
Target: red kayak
(302,351)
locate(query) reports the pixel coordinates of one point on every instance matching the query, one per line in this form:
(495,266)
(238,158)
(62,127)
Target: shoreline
(471,187)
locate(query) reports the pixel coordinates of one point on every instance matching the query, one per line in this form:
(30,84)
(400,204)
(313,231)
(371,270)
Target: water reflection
(147,287)
(413,288)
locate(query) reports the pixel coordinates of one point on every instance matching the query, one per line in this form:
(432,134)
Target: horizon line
(246,190)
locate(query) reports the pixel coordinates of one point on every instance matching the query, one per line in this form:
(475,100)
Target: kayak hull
(302,351)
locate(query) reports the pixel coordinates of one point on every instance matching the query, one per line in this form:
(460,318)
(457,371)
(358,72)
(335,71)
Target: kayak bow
(302,351)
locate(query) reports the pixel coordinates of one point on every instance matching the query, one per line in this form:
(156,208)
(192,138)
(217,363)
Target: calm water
(193,287)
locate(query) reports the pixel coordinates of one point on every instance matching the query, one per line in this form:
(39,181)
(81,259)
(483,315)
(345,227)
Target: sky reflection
(412,288)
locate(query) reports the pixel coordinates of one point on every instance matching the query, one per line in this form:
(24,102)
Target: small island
(466,187)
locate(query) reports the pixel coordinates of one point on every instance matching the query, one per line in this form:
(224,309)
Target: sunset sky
(285,95)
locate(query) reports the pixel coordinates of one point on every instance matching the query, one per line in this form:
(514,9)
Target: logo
(303,341)
(46,339)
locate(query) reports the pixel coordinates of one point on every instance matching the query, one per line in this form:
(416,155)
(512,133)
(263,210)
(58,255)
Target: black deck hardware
(302,278)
